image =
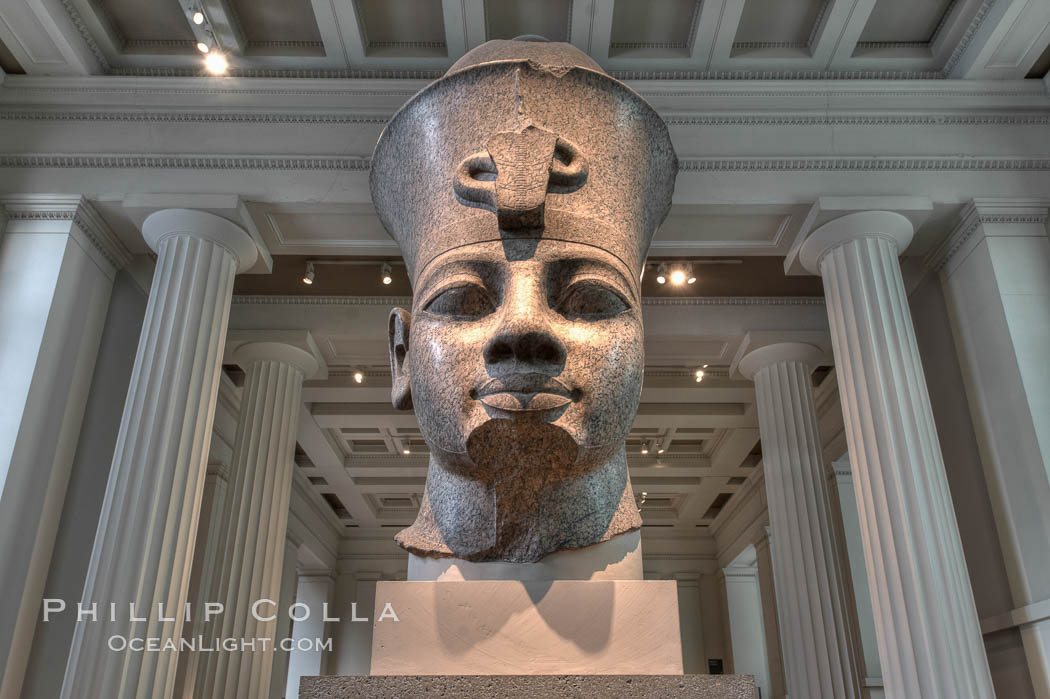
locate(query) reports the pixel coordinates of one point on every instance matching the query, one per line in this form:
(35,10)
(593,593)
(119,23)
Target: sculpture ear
(401,384)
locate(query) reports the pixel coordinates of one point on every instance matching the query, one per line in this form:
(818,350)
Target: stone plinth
(543,686)
(504,627)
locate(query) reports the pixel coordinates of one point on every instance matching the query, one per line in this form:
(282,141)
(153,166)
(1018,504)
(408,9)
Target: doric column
(929,640)
(995,273)
(770,614)
(255,541)
(143,548)
(818,658)
(206,578)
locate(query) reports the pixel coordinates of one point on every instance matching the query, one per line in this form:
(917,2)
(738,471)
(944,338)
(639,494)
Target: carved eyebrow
(575,265)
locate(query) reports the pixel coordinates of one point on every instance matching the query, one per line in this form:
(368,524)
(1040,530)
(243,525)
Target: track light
(359,376)
(203,47)
(308,278)
(661,274)
(700,375)
(660,450)
(387,273)
(406,451)
(198,17)
(644,450)
(677,277)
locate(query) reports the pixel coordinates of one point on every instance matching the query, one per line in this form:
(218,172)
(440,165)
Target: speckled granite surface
(542,686)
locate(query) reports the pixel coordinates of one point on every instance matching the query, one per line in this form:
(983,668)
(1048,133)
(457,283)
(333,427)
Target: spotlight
(660,451)
(406,451)
(387,273)
(308,278)
(358,376)
(216,63)
(661,274)
(644,450)
(677,277)
(198,17)
(203,47)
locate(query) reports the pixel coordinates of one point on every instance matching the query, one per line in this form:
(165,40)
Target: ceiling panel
(778,22)
(402,27)
(656,28)
(150,22)
(904,21)
(274,23)
(506,19)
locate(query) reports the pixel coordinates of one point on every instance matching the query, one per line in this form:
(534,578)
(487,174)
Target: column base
(504,627)
(548,686)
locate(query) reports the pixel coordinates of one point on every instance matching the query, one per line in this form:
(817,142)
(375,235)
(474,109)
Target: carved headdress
(524,139)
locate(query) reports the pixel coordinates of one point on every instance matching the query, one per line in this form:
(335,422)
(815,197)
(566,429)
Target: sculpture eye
(464,301)
(591,301)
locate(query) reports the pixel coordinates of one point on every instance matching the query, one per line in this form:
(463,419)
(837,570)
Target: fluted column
(143,548)
(262,480)
(926,623)
(817,656)
(770,614)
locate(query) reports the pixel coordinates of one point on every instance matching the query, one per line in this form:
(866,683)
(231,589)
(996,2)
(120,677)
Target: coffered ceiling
(631,38)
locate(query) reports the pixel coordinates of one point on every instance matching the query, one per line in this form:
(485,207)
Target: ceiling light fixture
(660,450)
(677,277)
(661,274)
(406,451)
(359,376)
(387,273)
(700,375)
(644,450)
(308,278)
(216,63)
(690,278)
(198,17)
(203,47)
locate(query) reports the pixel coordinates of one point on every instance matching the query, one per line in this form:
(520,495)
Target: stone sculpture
(523,187)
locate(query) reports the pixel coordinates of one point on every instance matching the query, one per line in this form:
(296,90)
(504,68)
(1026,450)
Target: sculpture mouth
(525,393)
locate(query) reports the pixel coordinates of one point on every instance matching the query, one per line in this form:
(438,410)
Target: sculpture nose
(525,342)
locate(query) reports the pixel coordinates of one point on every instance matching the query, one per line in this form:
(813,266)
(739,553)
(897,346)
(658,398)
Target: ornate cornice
(203,117)
(81,214)
(288,300)
(279,117)
(980,212)
(362,163)
(85,34)
(186,162)
(861,164)
(968,36)
(292,300)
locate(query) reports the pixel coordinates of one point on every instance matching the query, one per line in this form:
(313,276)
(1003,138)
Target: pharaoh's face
(526,332)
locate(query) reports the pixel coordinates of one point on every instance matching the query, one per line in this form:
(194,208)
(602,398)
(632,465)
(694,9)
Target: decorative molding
(204,117)
(291,300)
(723,75)
(733,301)
(362,163)
(787,119)
(286,300)
(85,34)
(185,162)
(968,36)
(979,212)
(80,213)
(861,164)
(750,45)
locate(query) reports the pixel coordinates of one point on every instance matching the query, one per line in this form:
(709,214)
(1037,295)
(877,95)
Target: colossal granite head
(524,187)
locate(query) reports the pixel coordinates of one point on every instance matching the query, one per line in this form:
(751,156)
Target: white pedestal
(504,627)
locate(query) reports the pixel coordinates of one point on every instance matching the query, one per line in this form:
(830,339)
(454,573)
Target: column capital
(295,347)
(276,352)
(832,221)
(201,224)
(804,353)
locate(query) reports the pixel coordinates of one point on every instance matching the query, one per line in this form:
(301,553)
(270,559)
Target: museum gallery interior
(525,348)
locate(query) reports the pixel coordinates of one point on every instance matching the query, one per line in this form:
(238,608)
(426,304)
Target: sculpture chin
(530,490)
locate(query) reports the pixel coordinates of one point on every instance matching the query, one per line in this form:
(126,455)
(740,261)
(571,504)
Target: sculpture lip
(524,393)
